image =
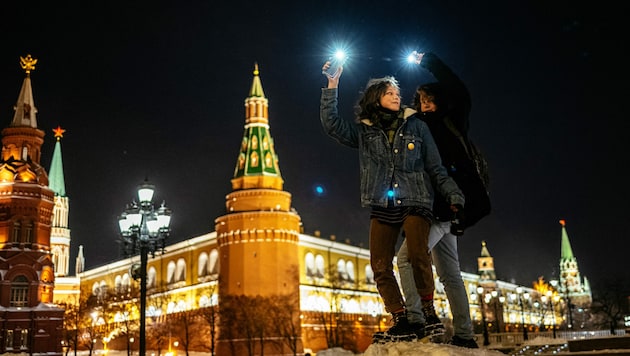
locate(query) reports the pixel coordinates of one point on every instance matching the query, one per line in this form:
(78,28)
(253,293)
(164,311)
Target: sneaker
(433,325)
(468,343)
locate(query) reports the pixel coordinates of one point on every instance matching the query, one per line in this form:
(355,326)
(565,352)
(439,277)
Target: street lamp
(480,291)
(553,298)
(496,299)
(521,296)
(144,229)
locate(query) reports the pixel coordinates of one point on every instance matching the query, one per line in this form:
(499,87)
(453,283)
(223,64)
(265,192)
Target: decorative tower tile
(30,322)
(257,238)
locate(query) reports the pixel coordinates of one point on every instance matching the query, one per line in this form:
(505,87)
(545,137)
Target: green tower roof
(55,175)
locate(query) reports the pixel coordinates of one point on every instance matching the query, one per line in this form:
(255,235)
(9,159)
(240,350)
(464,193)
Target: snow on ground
(429,349)
(412,349)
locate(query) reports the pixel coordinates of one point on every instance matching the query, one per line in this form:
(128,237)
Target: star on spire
(59,132)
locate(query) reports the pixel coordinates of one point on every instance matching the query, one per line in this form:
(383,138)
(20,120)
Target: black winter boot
(433,325)
(401,325)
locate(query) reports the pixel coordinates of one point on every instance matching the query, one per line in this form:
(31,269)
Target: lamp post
(496,299)
(522,296)
(480,293)
(144,229)
(553,298)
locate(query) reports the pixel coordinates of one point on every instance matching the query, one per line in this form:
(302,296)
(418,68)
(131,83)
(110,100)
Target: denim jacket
(410,167)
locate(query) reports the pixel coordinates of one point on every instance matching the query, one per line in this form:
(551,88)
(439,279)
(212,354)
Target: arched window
(202,266)
(125,283)
(350,271)
(309,262)
(19,291)
(118,284)
(369,275)
(319,264)
(151,277)
(181,270)
(213,263)
(342,274)
(171,272)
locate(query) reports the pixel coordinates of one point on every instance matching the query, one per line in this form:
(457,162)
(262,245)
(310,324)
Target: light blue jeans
(443,247)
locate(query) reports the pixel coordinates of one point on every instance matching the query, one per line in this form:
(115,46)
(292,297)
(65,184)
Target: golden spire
(28,63)
(256,72)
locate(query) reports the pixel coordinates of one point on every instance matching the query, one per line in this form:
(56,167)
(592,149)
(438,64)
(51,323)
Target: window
(24,339)
(350,271)
(19,292)
(342,274)
(369,275)
(15,236)
(8,344)
(126,282)
(151,277)
(202,267)
(181,270)
(170,270)
(319,264)
(118,285)
(28,232)
(309,262)
(213,263)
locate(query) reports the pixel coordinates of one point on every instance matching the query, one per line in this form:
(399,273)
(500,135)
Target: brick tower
(30,322)
(258,242)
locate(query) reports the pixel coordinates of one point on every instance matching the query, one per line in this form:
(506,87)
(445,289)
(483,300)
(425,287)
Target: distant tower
(79,267)
(258,237)
(571,285)
(30,322)
(60,234)
(485,266)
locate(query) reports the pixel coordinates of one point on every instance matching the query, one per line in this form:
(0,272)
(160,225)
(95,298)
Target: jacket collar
(406,113)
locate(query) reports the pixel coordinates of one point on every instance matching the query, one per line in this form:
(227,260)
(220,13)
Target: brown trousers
(383,239)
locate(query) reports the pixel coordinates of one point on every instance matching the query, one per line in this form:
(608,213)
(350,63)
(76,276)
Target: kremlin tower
(60,233)
(571,286)
(485,267)
(258,237)
(30,322)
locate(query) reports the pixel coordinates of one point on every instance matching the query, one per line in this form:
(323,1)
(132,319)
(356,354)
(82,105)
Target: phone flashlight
(336,62)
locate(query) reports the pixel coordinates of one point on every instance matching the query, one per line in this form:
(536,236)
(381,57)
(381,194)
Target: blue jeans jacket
(411,166)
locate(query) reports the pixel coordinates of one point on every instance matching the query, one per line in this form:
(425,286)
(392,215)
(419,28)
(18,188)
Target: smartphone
(335,64)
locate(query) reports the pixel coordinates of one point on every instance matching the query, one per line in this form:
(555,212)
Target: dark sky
(157,91)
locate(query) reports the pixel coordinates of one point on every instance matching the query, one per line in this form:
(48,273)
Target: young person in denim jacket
(447,99)
(399,164)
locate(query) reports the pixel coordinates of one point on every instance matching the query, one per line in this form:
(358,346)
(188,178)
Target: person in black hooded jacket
(445,106)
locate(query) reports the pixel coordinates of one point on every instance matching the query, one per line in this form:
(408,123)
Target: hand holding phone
(332,70)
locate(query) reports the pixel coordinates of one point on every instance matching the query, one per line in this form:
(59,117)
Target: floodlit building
(30,321)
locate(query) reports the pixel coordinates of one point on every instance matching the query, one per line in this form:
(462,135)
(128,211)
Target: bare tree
(187,324)
(159,331)
(610,304)
(211,315)
(337,326)
(284,312)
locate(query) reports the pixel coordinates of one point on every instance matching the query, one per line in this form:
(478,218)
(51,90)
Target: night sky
(156,89)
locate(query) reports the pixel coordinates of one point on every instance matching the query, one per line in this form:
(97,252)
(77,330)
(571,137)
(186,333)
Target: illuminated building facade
(31,323)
